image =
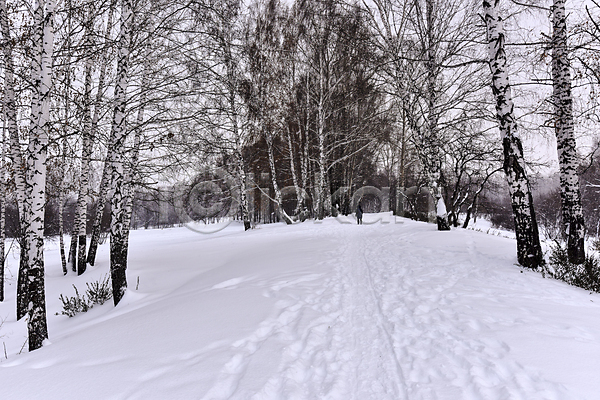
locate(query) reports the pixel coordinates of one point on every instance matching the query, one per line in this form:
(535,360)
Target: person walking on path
(359,214)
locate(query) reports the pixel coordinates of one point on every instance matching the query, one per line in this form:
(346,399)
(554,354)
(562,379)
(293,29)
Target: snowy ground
(313,311)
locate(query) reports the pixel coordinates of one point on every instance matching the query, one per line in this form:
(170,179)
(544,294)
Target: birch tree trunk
(86,153)
(105,180)
(118,258)
(10,125)
(323,206)
(38,141)
(3,180)
(72,259)
(572,212)
(100,204)
(131,173)
(529,251)
(433,146)
(299,192)
(61,189)
(17,159)
(233,86)
(278,198)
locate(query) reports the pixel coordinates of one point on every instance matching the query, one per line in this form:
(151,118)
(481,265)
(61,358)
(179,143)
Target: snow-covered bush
(586,275)
(98,292)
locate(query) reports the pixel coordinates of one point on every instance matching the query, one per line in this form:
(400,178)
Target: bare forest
(127,114)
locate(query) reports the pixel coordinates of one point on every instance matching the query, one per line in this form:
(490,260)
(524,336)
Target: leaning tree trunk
(106,174)
(572,212)
(118,258)
(529,251)
(38,142)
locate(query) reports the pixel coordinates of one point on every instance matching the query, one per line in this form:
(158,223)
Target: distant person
(359,214)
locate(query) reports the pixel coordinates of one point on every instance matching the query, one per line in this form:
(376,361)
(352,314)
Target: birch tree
(220,70)
(9,123)
(87,139)
(267,98)
(529,252)
(18,159)
(118,257)
(43,40)
(3,182)
(98,107)
(572,212)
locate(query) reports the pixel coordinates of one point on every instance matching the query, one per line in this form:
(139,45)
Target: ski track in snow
(383,326)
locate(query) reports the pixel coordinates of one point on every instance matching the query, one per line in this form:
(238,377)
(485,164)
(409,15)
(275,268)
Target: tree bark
(278,198)
(17,159)
(118,258)
(10,123)
(3,180)
(433,147)
(299,191)
(572,212)
(106,174)
(131,174)
(86,153)
(529,251)
(38,141)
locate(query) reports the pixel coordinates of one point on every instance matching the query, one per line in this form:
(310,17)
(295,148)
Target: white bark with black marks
(18,160)
(529,252)
(86,151)
(106,174)
(37,154)
(118,258)
(572,212)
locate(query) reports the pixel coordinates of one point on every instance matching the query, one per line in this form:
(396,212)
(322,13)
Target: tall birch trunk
(529,251)
(433,150)
(118,258)
(38,141)
(10,124)
(61,188)
(17,159)
(106,175)
(572,212)
(3,180)
(131,174)
(86,153)
(241,172)
(233,85)
(323,206)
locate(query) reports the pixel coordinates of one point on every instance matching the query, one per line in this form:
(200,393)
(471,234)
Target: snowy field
(312,311)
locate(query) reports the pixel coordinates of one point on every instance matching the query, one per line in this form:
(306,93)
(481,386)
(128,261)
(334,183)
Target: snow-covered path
(319,311)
